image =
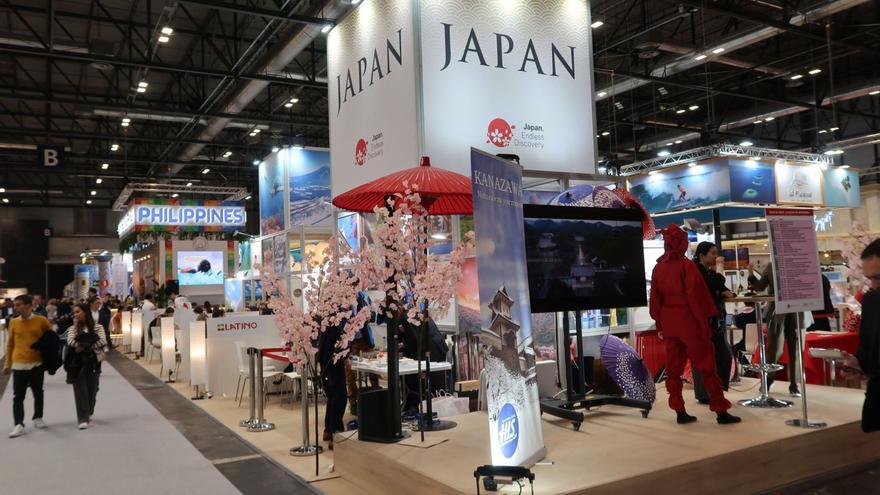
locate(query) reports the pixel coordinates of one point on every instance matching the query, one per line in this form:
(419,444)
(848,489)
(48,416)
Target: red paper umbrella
(649,232)
(442,192)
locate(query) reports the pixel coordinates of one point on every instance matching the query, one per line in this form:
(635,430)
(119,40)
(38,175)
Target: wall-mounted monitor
(200,267)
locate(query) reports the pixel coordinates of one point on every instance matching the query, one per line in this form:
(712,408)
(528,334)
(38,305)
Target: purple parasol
(627,369)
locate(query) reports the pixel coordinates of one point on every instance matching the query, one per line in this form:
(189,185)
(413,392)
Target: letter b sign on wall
(50,156)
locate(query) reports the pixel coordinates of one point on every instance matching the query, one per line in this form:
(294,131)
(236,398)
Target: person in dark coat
(867,358)
(821,318)
(704,258)
(435,345)
(681,306)
(86,340)
(333,380)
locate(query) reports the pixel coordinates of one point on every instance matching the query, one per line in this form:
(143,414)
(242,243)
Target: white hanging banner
(508,76)
(797,276)
(371,63)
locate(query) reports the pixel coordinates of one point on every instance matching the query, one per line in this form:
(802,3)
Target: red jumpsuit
(681,306)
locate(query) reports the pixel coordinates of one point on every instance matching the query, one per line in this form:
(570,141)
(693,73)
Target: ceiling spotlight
(699,57)
(5,200)
(275,149)
(663,91)
(813,72)
(88,201)
(832,129)
(746,142)
(653,172)
(105,166)
(99,180)
(597,24)
(163,39)
(227,154)
(692,164)
(326,29)
(668,144)
(834,152)
(769,119)
(125,124)
(678,141)
(844,167)
(114,147)
(2,189)
(757,122)
(680,111)
(205,171)
(294,100)
(94,193)
(822,131)
(247,197)
(603,94)
(256,161)
(288,105)
(694,107)
(605,133)
(175,195)
(618,105)
(141,90)
(167,31)
(874,93)
(189,184)
(143,84)
(718,50)
(663,153)
(796,77)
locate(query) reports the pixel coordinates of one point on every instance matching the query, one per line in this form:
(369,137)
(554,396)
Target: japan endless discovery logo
(508,430)
(365,150)
(502,134)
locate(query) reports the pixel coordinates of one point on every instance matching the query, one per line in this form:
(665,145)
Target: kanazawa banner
(505,316)
(795,254)
(371,64)
(437,77)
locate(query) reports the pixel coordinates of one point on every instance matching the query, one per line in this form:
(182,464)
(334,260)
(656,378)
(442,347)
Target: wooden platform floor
(618,452)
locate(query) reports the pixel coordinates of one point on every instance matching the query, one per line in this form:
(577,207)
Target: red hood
(675,242)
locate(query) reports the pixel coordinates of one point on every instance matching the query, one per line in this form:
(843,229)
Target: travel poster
(308,175)
(505,316)
(842,188)
(752,181)
(684,187)
(272,214)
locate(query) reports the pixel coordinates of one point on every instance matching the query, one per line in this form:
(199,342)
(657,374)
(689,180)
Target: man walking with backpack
(25,363)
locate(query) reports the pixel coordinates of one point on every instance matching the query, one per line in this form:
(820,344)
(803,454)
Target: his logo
(500,133)
(508,430)
(360,152)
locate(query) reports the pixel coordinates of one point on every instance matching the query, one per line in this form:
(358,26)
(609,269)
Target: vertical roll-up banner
(512,391)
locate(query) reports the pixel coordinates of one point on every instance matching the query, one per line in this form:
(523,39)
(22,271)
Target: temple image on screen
(578,263)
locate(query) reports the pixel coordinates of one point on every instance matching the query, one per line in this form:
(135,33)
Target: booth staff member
(704,259)
(681,306)
(867,358)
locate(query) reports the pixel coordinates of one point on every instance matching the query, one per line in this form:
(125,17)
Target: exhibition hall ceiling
(232,79)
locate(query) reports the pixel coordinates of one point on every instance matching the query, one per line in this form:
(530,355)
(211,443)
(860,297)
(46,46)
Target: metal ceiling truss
(722,150)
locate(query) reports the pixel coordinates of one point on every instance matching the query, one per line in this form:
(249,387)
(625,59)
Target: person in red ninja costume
(681,306)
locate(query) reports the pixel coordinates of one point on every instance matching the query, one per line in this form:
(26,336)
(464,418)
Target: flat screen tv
(584,258)
(200,267)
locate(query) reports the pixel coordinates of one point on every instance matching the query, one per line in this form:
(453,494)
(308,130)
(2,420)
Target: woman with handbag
(86,340)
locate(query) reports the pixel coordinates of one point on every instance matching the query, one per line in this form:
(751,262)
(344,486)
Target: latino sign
(152,215)
(437,77)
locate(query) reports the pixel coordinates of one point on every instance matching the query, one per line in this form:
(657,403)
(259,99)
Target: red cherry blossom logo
(500,133)
(360,152)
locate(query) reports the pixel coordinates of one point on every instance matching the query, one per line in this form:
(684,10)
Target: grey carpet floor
(131,448)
